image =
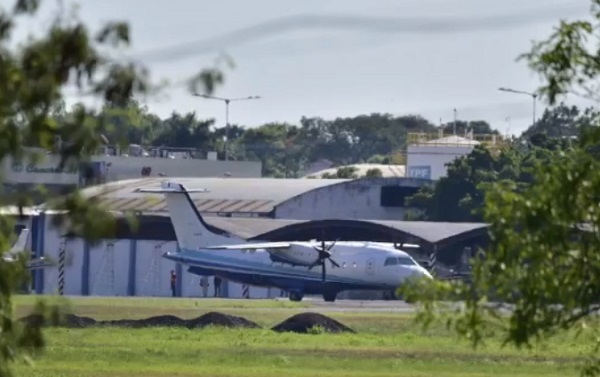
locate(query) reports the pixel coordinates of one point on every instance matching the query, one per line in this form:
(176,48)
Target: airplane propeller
(324,254)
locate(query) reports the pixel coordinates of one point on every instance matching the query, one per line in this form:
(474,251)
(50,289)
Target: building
(303,199)
(23,175)
(427,154)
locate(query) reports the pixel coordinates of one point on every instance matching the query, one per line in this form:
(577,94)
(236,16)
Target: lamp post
(532,95)
(227,101)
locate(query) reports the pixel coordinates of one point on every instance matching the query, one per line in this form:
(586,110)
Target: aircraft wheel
(295,296)
(329,297)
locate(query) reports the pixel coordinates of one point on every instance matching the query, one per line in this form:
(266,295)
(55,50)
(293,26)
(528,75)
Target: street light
(226,100)
(532,95)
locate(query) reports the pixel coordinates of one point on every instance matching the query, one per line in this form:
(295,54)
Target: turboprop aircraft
(20,247)
(286,265)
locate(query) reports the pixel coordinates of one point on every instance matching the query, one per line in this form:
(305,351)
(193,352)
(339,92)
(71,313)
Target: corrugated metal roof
(225,195)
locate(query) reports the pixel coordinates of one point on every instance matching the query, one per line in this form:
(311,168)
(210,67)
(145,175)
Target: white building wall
(359,199)
(153,272)
(429,161)
(109,268)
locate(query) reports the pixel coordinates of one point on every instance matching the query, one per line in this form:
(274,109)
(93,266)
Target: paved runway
(379,306)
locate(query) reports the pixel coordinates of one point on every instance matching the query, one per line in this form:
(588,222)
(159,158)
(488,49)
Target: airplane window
(391,261)
(406,261)
(344,265)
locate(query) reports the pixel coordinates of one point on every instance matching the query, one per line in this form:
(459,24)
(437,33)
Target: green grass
(386,345)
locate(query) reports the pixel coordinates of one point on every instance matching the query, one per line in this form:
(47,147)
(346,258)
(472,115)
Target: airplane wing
(252,246)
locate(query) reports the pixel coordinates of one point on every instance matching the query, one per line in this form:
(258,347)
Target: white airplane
(20,247)
(286,265)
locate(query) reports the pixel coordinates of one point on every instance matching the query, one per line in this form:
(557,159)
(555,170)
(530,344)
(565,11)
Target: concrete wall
(359,199)
(429,161)
(119,268)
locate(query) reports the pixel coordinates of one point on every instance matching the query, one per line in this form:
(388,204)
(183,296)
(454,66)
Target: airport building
(428,153)
(111,164)
(131,263)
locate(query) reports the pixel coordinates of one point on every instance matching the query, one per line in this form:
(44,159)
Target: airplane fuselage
(362,266)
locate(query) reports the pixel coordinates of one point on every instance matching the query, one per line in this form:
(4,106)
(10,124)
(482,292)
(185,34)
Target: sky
(339,58)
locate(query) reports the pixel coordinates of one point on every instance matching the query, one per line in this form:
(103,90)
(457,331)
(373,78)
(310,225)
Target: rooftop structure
(362,169)
(439,139)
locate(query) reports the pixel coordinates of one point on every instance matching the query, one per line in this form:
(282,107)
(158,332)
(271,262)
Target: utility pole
(454,127)
(227,101)
(532,95)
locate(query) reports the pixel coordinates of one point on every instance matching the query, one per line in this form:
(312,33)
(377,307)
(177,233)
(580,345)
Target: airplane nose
(426,273)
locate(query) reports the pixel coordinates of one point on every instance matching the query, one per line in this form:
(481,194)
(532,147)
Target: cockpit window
(404,261)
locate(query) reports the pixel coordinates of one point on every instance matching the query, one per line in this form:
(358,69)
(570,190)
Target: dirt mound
(304,323)
(220,319)
(67,320)
(211,318)
(156,321)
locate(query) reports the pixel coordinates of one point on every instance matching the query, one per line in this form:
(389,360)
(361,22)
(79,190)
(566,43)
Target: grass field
(387,344)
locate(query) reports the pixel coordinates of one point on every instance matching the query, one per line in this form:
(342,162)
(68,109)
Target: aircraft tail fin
(20,244)
(190,228)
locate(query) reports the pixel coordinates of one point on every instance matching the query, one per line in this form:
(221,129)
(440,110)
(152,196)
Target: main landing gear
(329,296)
(297,296)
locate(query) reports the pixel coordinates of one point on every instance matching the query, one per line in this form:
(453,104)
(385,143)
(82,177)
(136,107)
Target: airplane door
(370,266)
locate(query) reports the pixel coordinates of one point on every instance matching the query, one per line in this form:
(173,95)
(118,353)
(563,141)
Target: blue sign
(419,172)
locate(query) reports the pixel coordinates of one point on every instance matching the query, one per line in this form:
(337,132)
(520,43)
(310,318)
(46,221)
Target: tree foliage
(543,258)
(33,74)
(460,195)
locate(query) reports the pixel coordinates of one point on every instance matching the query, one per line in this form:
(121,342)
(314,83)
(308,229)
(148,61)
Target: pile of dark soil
(299,323)
(68,320)
(220,319)
(208,319)
(304,323)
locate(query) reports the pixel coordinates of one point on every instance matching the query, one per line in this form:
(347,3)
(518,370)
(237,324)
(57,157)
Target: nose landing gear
(390,295)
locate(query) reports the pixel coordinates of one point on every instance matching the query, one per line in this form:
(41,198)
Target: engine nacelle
(297,255)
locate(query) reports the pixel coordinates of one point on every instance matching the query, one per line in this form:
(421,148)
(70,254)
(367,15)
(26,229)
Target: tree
(32,76)
(543,256)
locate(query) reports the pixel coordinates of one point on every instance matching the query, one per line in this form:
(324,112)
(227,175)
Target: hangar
(304,198)
(129,262)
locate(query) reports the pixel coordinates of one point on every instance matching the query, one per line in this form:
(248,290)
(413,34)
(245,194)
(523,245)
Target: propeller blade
(334,263)
(332,244)
(323,271)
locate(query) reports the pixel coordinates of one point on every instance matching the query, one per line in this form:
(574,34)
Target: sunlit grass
(386,344)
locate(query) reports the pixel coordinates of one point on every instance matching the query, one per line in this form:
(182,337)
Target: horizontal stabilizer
(252,246)
(38,263)
(168,186)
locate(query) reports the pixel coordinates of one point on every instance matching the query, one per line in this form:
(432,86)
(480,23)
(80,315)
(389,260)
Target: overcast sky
(340,58)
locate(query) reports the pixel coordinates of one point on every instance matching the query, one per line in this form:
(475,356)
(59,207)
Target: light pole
(227,100)
(532,95)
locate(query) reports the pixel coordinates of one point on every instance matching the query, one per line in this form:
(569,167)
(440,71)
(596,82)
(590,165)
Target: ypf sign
(42,172)
(419,172)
